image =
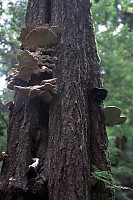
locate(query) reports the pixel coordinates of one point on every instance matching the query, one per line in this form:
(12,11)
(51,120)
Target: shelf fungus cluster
(37,56)
(112,116)
(45,91)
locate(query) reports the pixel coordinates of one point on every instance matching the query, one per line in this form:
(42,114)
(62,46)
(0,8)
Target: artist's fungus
(24,33)
(112,116)
(49,87)
(43,91)
(25,74)
(42,59)
(46,50)
(27,65)
(12,83)
(13,74)
(51,66)
(52,81)
(40,37)
(37,60)
(24,91)
(34,92)
(42,69)
(26,59)
(98,94)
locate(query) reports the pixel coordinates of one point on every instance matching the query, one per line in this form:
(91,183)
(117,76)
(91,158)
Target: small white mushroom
(35,163)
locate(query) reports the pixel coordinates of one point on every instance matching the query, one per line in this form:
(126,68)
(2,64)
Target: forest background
(113,22)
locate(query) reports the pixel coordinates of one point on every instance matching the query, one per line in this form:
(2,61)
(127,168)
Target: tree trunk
(68,136)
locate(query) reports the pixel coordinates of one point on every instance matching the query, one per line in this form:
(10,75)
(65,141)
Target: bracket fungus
(45,50)
(98,94)
(27,64)
(26,58)
(2,155)
(25,32)
(12,83)
(42,69)
(34,92)
(38,60)
(112,116)
(13,74)
(51,81)
(40,37)
(24,91)
(42,59)
(45,91)
(12,79)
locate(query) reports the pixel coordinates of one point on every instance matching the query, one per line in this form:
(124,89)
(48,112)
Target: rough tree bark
(68,136)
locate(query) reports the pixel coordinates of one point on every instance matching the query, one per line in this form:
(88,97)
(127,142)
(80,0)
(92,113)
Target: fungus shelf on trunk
(35,89)
(39,39)
(112,116)
(68,135)
(39,36)
(46,90)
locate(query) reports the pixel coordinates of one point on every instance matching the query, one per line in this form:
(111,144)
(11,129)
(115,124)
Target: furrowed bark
(68,136)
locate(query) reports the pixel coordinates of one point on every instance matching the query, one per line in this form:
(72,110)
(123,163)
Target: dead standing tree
(68,134)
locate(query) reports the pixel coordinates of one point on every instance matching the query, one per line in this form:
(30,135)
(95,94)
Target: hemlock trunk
(68,135)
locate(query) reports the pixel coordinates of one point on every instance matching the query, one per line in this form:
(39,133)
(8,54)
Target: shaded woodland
(114,46)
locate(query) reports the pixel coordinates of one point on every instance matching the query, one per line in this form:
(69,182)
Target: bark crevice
(67,136)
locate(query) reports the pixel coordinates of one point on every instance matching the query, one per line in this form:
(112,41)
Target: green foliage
(12,20)
(114,37)
(104,176)
(13,16)
(113,28)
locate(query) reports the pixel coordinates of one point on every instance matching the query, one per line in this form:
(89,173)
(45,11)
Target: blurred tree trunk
(68,136)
